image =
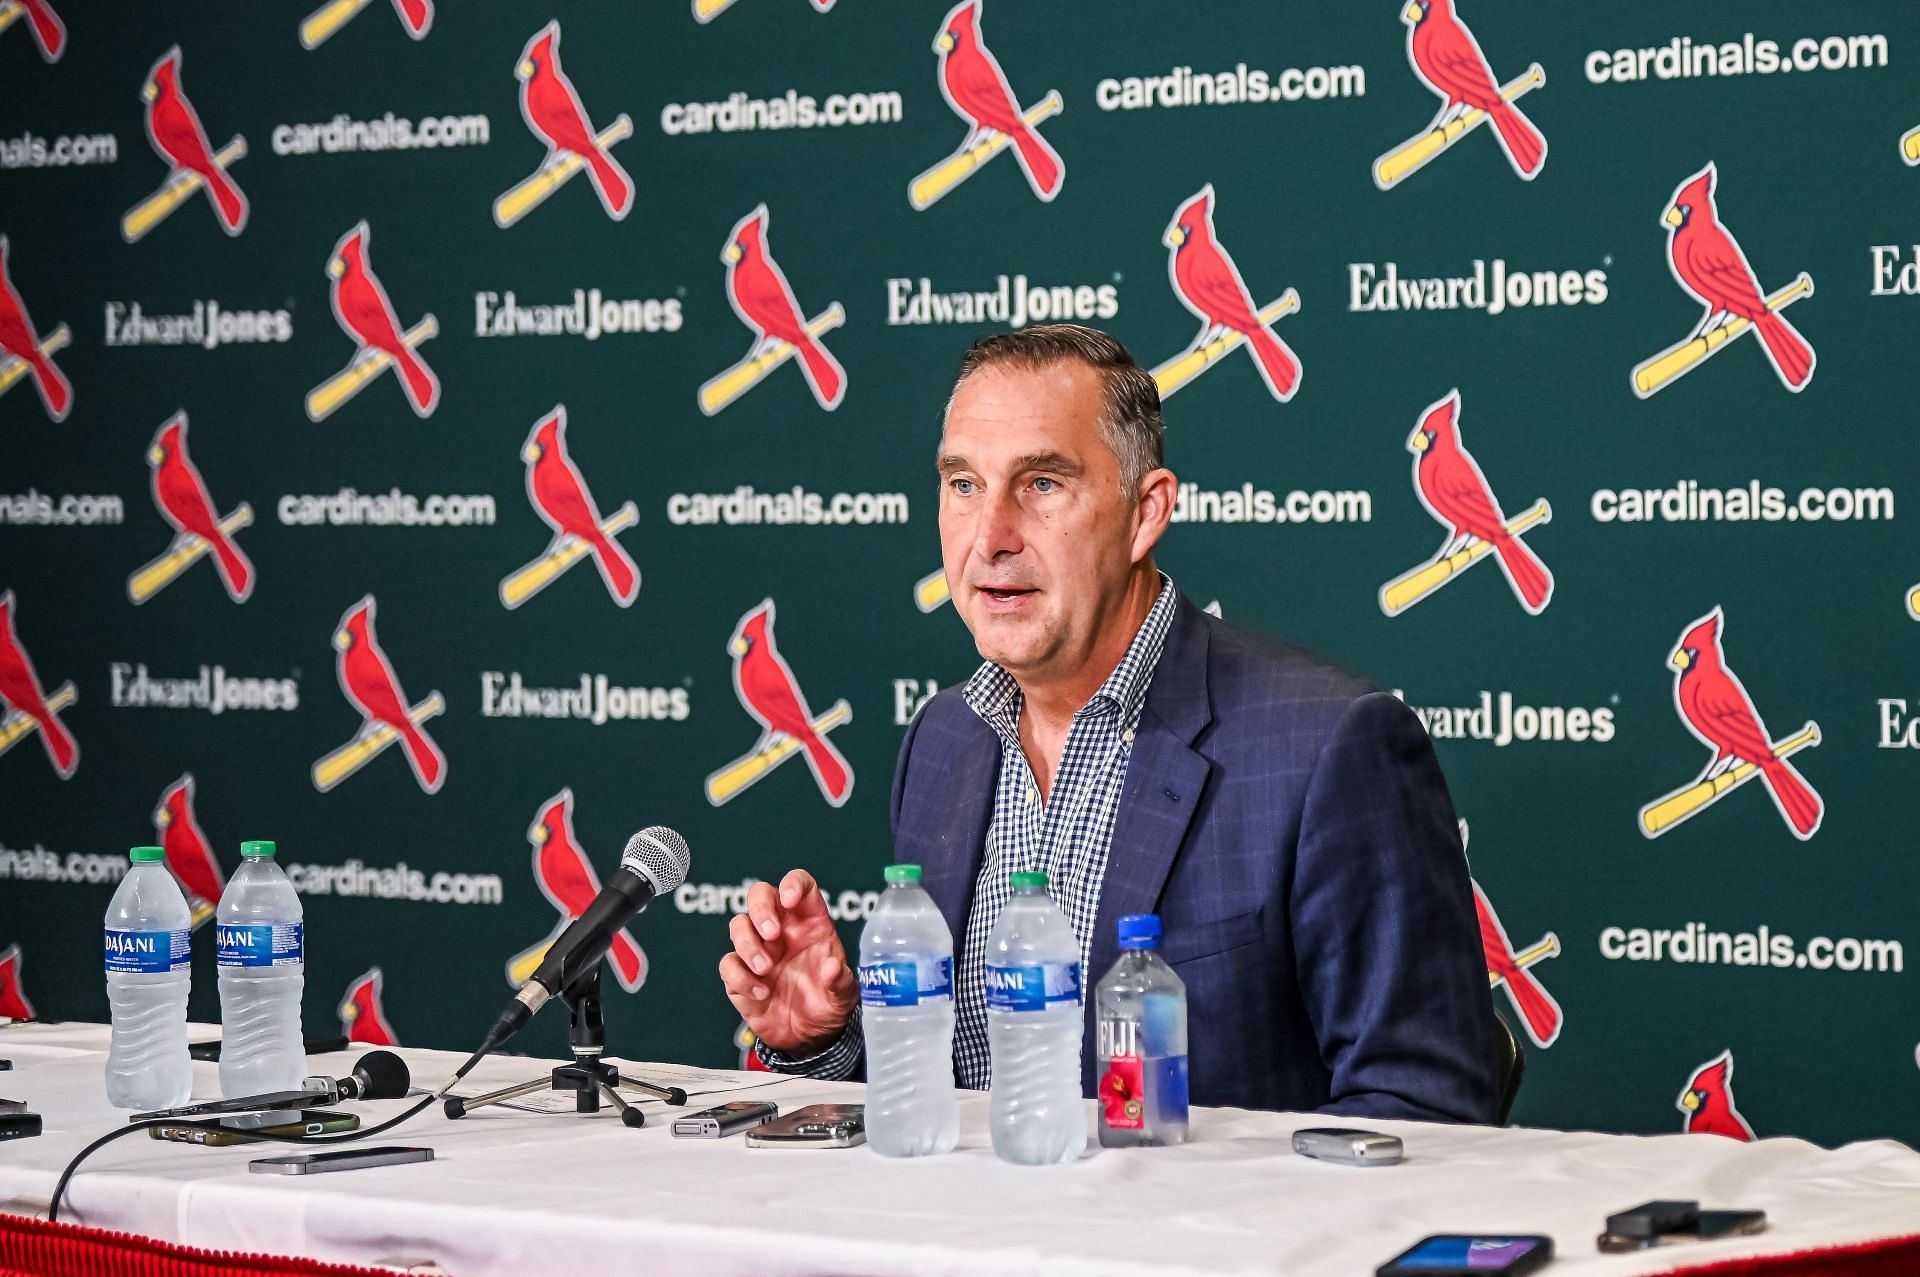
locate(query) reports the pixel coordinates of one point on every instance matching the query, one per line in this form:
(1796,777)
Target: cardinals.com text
(40,865)
(398,882)
(1697,943)
(796,506)
(389,133)
(30,150)
(793,110)
(731,898)
(1183,86)
(1690,502)
(350,507)
(34,508)
(1248,504)
(1684,58)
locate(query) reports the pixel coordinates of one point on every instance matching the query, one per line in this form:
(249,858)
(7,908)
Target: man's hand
(788,975)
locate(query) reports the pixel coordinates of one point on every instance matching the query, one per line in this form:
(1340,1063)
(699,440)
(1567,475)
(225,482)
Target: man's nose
(999,529)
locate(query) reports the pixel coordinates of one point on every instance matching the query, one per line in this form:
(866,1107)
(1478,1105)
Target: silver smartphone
(815,1126)
(1353,1147)
(344,1159)
(724,1119)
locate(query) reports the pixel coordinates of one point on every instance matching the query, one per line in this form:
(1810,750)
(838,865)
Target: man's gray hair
(1130,423)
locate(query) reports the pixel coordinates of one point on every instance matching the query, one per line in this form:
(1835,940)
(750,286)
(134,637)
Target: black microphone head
(383,1076)
(660,856)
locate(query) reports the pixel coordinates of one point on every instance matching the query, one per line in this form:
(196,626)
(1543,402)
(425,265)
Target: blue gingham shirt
(1067,836)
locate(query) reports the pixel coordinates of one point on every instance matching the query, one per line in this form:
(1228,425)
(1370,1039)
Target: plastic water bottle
(906,997)
(1140,1011)
(1034,1029)
(262,976)
(148,973)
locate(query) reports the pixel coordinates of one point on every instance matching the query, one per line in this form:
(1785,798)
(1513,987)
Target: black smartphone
(314,1122)
(1512,1255)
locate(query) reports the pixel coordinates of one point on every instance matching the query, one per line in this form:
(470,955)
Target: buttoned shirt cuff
(833,1064)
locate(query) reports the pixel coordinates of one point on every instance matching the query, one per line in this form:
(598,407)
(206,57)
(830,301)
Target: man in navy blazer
(1287,821)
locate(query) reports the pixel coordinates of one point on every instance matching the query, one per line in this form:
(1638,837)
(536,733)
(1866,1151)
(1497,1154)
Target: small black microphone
(377,1075)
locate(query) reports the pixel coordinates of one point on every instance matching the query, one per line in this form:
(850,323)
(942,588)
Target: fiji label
(147,951)
(1130,1081)
(262,944)
(1032,988)
(906,984)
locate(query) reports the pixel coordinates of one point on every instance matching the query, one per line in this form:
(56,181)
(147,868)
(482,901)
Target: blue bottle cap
(1140,931)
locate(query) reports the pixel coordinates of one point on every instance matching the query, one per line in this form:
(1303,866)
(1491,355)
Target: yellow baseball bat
(1663,814)
(173,192)
(930,591)
(356,753)
(13,368)
(1182,368)
(1655,373)
(323,399)
(522,965)
(9,13)
(1913,603)
(742,772)
(539,574)
(154,577)
(1547,948)
(959,166)
(1401,593)
(525,197)
(1413,154)
(1910,146)
(707,10)
(16,725)
(327,19)
(751,371)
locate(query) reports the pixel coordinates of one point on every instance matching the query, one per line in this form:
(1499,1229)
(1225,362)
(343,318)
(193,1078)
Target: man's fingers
(744,990)
(748,944)
(800,895)
(763,909)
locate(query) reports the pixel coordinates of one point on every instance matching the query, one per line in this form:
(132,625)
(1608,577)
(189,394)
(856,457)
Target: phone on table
(724,1119)
(1511,1255)
(1667,1223)
(1353,1147)
(239,1127)
(343,1159)
(815,1126)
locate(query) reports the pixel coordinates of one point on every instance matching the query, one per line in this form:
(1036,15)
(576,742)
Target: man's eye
(1044,484)
(961,487)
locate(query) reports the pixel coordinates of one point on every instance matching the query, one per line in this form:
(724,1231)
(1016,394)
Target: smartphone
(724,1119)
(311,1122)
(18,1124)
(1353,1147)
(1704,1226)
(815,1126)
(344,1159)
(1457,1253)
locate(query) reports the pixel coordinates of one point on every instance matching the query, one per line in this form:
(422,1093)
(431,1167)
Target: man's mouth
(1005,594)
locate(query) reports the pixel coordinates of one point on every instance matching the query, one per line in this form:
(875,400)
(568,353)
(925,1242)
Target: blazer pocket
(1189,941)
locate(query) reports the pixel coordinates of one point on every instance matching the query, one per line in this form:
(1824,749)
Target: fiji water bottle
(1034,1029)
(1141,1013)
(148,972)
(906,997)
(262,976)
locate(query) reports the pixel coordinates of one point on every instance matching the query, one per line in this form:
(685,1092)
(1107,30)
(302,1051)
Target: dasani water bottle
(906,997)
(1034,1029)
(148,973)
(262,976)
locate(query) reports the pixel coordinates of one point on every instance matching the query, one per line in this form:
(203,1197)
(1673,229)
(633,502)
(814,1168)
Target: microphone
(653,864)
(377,1075)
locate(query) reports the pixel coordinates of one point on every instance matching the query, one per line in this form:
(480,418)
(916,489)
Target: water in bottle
(1034,1029)
(262,976)
(1141,1013)
(148,972)
(906,997)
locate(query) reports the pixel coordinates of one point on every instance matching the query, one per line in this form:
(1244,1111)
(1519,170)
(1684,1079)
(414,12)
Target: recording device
(815,1126)
(654,863)
(377,1075)
(1459,1253)
(723,1120)
(1352,1147)
(1670,1223)
(345,1159)
(310,1122)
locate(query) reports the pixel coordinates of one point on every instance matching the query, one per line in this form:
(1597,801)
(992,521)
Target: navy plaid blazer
(1289,824)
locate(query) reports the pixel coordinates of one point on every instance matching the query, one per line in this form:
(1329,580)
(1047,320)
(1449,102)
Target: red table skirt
(1894,1257)
(36,1248)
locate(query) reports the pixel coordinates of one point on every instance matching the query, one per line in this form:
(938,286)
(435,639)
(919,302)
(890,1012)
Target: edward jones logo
(596,699)
(174,129)
(551,107)
(588,315)
(207,326)
(23,353)
(1207,283)
(758,290)
(24,708)
(367,681)
(1013,301)
(768,691)
(182,497)
(976,88)
(210,688)
(416,19)
(1447,59)
(560,496)
(364,313)
(1500,721)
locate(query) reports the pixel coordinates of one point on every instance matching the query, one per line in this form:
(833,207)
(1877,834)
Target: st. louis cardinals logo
(977,90)
(1450,484)
(1447,59)
(1513,971)
(551,107)
(181,494)
(566,878)
(708,10)
(368,682)
(360,305)
(1707,1101)
(1707,263)
(1909,145)
(13,997)
(1208,283)
(1913,602)
(761,296)
(49,32)
(363,1012)
(24,708)
(174,128)
(1716,708)
(416,17)
(189,854)
(560,495)
(768,690)
(23,353)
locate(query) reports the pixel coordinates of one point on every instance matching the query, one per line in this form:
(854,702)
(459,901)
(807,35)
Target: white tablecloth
(532,1195)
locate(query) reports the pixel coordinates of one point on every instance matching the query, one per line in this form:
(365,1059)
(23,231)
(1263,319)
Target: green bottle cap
(903,873)
(1025,881)
(249,850)
(144,855)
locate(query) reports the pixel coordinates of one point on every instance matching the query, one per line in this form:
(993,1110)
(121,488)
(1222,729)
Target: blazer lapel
(955,840)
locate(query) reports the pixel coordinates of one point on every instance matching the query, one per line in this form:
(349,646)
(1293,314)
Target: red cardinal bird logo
(1456,492)
(1536,1007)
(182,496)
(1208,283)
(565,877)
(416,16)
(977,90)
(560,495)
(1716,708)
(768,690)
(551,107)
(173,126)
(363,1014)
(1707,262)
(360,305)
(1448,60)
(368,680)
(48,31)
(24,707)
(189,854)
(1708,1101)
(19,341)
(13,998)
(765,303)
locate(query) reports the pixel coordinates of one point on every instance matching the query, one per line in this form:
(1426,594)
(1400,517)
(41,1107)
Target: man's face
(1036,536)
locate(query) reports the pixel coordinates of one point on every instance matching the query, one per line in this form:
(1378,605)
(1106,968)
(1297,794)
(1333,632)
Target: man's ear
(1152,510)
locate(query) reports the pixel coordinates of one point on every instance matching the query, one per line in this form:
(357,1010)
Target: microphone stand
(589,1077)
